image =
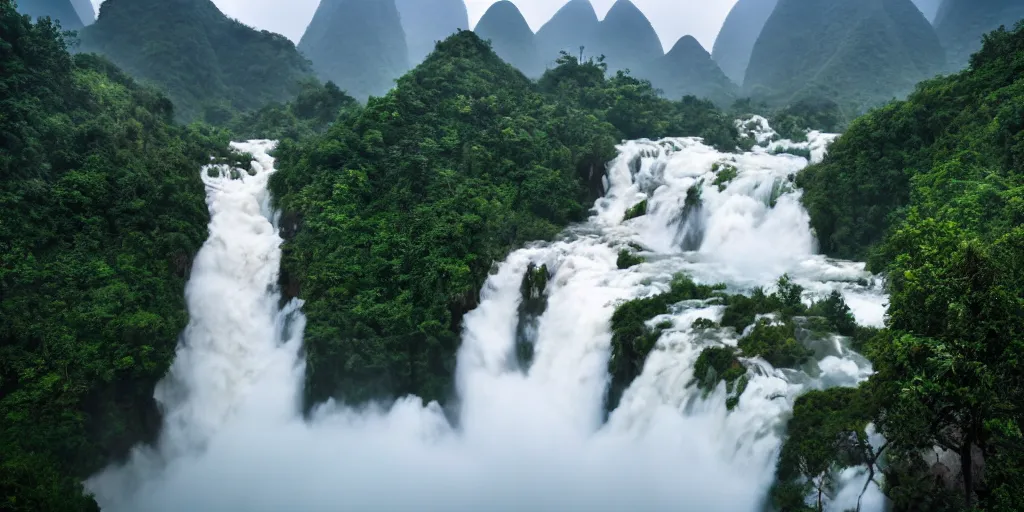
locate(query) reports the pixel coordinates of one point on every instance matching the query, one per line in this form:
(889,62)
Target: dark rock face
(688,70)
(575,25)
(510,36)
(60,10)
(357,44)
(858,52)
(428,21)
(962,23)
(204,61)
(627,38)
(736,40)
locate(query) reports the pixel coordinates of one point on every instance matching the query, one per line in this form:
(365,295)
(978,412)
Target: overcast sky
(671,18)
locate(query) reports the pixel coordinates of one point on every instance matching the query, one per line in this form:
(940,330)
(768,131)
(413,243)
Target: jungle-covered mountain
(931,191)
(858,53)
(357,44)
(689,70)
(735,41)
(627,39)
(426,22)
(463,161)
(60,10)
(101,212)
(962,23)
(511,37)
(575,25)
(207,64)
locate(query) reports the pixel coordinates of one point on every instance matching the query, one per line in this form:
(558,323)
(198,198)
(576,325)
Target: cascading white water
(533,439)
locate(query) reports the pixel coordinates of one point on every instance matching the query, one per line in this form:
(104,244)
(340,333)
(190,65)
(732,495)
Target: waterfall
(531,435)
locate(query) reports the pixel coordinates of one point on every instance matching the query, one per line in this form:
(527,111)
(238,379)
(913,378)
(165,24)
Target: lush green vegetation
(101,212)
(627,259)
(316,107)
(931,188)
(633,340)
(208,64)
(773,339)
(399,212)
(358,44)
(859,54)
(637,210)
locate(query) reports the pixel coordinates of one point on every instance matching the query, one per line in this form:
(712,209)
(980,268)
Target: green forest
(395,209)
(931,192)
(101,212)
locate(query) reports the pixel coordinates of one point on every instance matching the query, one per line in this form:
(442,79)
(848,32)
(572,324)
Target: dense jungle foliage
(101,212)
(932,190)
(208,64)
(401,210)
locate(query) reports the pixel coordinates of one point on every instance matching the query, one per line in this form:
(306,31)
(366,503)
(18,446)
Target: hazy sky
(671,18)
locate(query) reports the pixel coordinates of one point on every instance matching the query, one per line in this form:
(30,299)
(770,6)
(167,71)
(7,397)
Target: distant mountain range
(61,10)
(205,62)
(511,38)
(857,52)
(360,45)
(739,32)
(428,21)
(961,24)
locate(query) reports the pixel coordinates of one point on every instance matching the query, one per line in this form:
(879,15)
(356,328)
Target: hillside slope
(859,53)
(357,44)
(205,62)
(735,41)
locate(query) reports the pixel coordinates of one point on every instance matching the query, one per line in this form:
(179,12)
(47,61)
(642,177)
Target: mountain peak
(575,25)
(627,38)
(688,45)
(357,44)
(511,37)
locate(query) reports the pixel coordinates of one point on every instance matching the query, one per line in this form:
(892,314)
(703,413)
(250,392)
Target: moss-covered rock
(633,340)
(534,303)
(637,210)
(628,259)
(724,174)
(776,344)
